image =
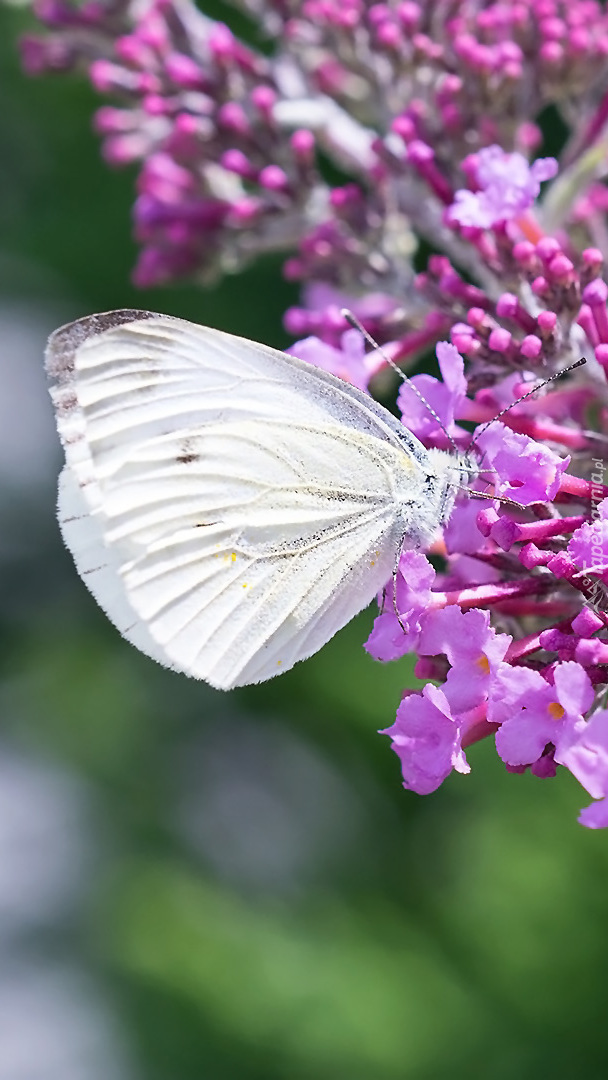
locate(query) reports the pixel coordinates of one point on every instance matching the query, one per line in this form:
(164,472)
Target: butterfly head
(450,474)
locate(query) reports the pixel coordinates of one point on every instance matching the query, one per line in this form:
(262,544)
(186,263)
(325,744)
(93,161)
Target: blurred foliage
(260,899)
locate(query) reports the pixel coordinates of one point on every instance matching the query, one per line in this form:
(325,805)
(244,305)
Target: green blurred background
(235,886)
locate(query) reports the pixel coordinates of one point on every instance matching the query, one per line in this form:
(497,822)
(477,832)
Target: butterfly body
(229,506)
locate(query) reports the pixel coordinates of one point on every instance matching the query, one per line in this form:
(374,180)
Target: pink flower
(350,362)
(585,754)
(526,471)
(507,184)
(445,398)
(473,649)
(595,816)
(426,737)
(415,578)
(321,313)
(461,533)
(533,713)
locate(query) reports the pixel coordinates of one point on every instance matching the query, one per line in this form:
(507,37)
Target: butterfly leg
(395,608)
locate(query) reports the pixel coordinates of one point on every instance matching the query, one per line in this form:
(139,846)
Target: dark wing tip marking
(64,342)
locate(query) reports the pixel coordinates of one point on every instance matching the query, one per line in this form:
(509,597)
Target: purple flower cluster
(431,110)
(398,95)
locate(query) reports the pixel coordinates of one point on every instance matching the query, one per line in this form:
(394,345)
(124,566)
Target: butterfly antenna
(354,322)
(524,397)
(493,498)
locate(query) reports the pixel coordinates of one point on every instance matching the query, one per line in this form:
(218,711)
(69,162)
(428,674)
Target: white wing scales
(99,565)
(231,508)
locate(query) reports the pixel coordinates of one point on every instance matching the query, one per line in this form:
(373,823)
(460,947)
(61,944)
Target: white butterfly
(229,506)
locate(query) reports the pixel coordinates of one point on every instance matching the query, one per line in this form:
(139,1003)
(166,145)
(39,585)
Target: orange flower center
(555,710)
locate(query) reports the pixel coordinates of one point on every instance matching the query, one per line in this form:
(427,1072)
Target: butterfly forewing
(240,505)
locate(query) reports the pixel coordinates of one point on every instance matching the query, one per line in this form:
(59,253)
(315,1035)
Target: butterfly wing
(230,507)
